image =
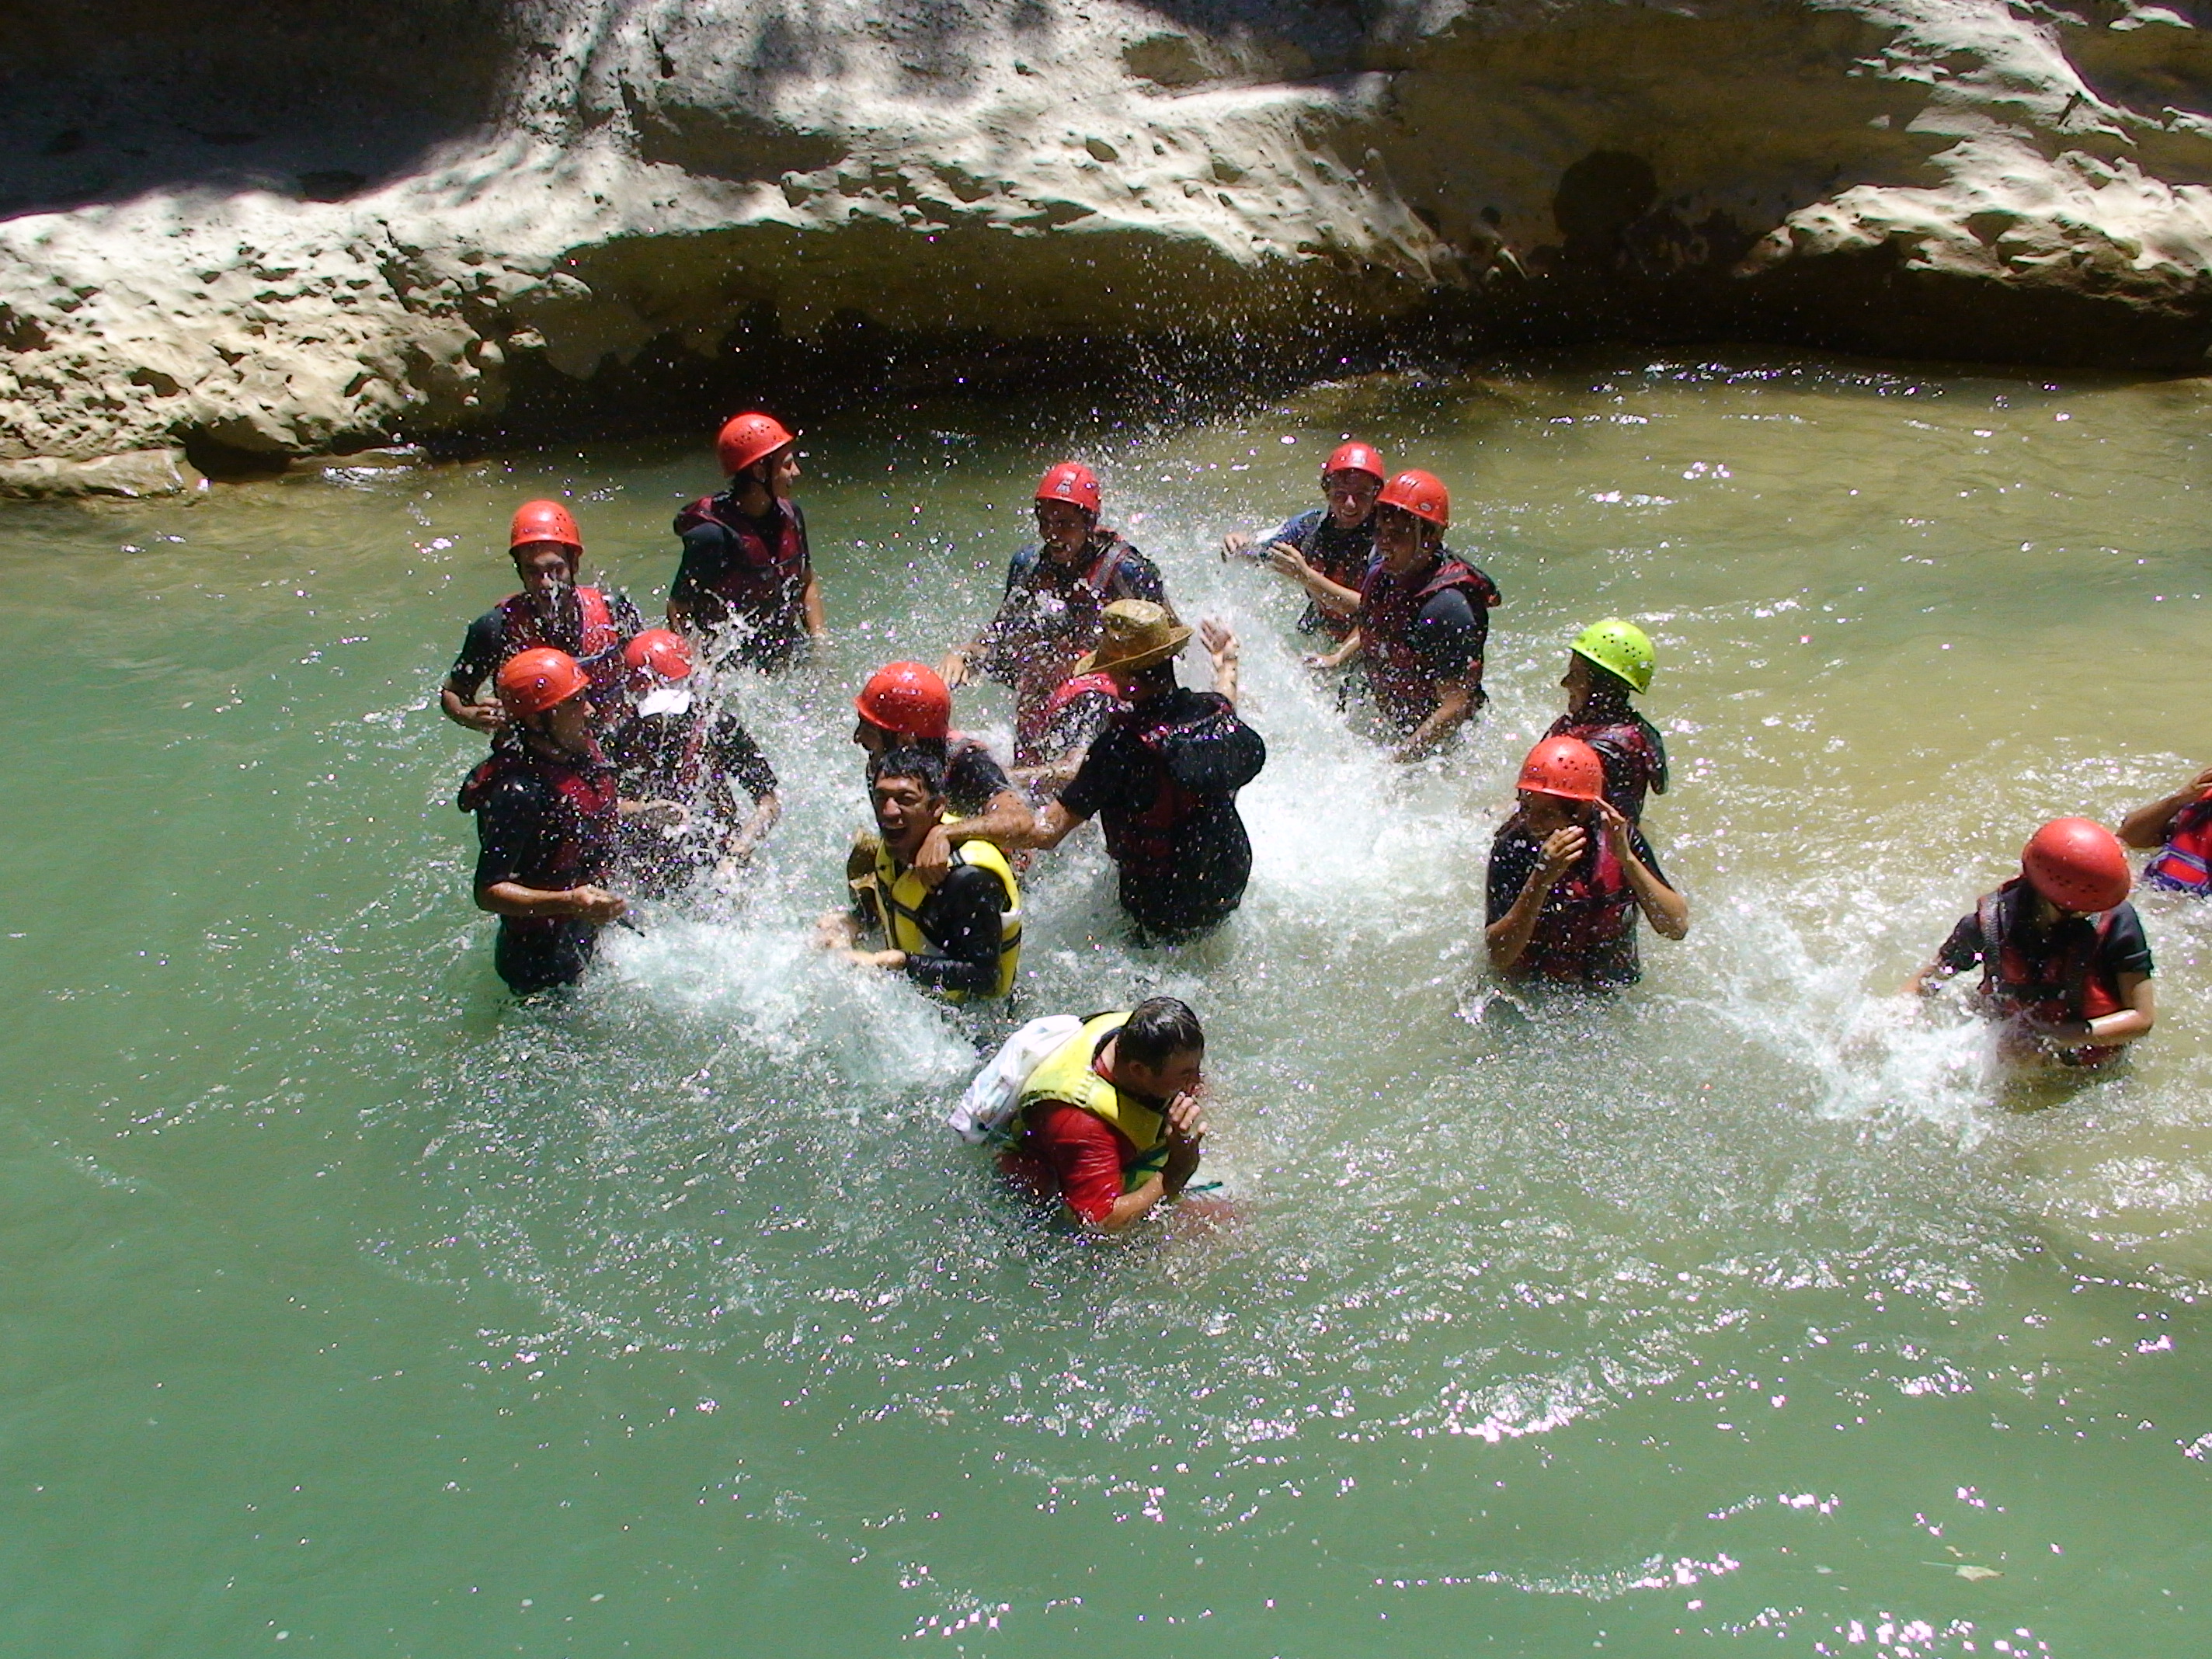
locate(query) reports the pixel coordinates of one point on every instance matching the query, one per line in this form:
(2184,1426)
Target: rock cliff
(239,234)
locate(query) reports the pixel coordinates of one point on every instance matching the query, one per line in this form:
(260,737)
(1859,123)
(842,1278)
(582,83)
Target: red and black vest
(578,802)
(2184,863)
(1635,759)
(1583,931)
(762,581)
(660,756)
(2066,982)
(1145,837)
(597,639)
(1389,605)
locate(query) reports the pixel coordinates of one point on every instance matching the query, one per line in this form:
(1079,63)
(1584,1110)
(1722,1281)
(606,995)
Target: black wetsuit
(550,826)
(963,920)
(700,759)
(1341,555)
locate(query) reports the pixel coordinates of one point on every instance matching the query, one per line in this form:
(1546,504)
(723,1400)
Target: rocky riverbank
(237,239)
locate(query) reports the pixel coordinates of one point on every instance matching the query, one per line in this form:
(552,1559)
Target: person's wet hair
(909,759)
(1160,1029)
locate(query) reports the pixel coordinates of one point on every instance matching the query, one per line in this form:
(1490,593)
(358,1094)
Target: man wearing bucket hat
(545,808)
(1327,550)
(1056,593)
(2064,959)
(1608,662)
(746,569)
(1162,776)
(697,792)
(1568,874)
(1422,620)
(552,610)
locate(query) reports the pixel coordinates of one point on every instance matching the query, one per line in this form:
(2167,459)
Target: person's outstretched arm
(2145,829)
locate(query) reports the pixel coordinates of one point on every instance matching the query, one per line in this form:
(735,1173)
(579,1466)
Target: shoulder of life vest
(1066,1077)
(2184,863)
(899,894)
(1455,572)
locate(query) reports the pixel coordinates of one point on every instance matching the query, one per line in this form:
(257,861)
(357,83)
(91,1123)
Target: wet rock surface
(250,236)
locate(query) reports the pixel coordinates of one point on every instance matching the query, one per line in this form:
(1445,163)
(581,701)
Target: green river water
(352,1306)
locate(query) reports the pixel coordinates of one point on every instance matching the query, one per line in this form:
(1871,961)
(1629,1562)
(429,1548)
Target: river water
(352,1306)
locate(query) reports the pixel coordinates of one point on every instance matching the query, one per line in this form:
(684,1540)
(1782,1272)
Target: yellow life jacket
(1067,1078)
(898,895)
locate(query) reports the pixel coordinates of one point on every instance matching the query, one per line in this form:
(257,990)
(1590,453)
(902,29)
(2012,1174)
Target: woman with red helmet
(698,793)
(552,610)
(746,569)
(1327,550)
(1423,621)
(2064,959)
(1056,594)
(1568,874)
(546,808)
(907,704)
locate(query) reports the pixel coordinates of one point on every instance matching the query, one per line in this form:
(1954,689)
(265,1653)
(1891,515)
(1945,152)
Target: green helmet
(1621,648)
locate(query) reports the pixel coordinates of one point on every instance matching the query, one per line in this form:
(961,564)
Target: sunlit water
(352,1306)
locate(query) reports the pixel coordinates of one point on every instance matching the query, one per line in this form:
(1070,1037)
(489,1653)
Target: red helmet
(530,682)
(660,652)
(748,438)
(543,521)
(909,699)
(1070,481)
(1566,767)
(1421,494)
(2076,865)
(1355,457)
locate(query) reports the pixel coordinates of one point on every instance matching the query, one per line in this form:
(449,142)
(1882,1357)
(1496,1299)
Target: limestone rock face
(260,232)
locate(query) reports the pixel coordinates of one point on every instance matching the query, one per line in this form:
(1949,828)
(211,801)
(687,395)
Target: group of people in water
(613,772)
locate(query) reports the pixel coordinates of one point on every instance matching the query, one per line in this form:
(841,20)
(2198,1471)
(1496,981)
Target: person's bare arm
(1005,823)
(1455,702)
(1221,645)
(1508,937)
(1048,828)
(1666,910)
(460,701)
(585,904)
(818,629)
(1332,597)
(2145,829)
(1185,1135)
(1347,652)
(2107,1031)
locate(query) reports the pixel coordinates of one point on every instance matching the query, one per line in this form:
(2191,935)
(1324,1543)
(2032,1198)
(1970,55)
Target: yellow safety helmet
(1621,648)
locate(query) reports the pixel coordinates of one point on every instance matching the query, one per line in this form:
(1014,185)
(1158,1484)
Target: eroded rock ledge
(240,240)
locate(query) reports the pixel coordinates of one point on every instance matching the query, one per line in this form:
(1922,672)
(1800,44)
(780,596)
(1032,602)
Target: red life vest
(597,643)
(1082,685)
(1389,605)
(2184,863)
(761,582)
(581,800)
(2067,983)
(1585,921)
(1635,759)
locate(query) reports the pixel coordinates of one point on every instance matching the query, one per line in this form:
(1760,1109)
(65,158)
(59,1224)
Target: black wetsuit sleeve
(1102,779)
(1297,532)
(972,778)
(1511,858)
(512,830)
(1642,848)
(482,648)
(705,552)
(1448,636)
(963,922)
(2124,950)
(1219,755)
(737,759)
(1964,949)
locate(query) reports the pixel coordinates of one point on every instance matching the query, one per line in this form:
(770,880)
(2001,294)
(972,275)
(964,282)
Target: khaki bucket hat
(1137,633)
